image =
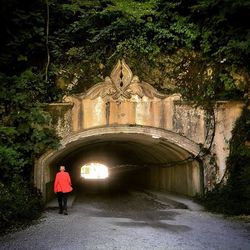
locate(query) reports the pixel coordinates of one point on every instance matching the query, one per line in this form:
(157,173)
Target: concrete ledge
(179,201)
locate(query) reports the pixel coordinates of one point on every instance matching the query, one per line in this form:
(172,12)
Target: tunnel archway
(141,150)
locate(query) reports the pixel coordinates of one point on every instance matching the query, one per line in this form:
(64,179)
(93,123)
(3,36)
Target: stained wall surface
(123,108)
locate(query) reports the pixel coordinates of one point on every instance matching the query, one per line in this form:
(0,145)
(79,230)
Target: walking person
(62,187)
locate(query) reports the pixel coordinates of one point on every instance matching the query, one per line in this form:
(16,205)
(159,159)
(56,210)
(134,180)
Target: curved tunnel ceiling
(117,149)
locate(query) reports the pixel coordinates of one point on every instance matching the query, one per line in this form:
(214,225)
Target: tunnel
(143,159)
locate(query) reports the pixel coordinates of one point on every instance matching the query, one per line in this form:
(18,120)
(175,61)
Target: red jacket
(62,183)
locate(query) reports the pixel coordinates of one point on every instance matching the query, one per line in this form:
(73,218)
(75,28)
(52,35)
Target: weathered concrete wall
(183,179)
(168,113)
(62,116)
(226,113)
(122,100)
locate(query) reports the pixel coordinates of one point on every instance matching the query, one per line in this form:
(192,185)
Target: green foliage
(132,9)
(25,127)
(25,130)
(150,34)
(19,203)
(25,133)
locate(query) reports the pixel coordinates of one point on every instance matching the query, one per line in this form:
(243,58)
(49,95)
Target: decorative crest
(122,84)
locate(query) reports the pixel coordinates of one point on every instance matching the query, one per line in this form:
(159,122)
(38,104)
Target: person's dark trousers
(62,201)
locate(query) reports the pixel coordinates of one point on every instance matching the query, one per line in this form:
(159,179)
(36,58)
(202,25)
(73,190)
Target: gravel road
(129,220)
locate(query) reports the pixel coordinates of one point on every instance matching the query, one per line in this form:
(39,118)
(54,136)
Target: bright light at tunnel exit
(94,170)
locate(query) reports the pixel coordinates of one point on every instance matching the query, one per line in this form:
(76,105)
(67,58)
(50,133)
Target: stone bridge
(145,137)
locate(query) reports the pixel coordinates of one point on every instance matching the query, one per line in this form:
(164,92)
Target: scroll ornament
(121,84)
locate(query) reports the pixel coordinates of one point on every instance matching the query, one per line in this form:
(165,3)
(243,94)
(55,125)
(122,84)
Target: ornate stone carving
(121,84)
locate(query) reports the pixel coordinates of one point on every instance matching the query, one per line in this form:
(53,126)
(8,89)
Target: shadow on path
(137,208)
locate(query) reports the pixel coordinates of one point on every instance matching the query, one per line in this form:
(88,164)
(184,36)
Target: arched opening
(135,156)
(94,171)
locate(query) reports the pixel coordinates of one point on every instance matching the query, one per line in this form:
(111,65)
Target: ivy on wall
(233,198)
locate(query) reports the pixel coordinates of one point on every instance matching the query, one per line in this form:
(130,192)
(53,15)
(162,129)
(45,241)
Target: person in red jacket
(62,186)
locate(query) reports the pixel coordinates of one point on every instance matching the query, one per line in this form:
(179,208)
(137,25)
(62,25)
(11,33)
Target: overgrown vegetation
(199,48)
(25,131)
(20,203)
(168,43)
